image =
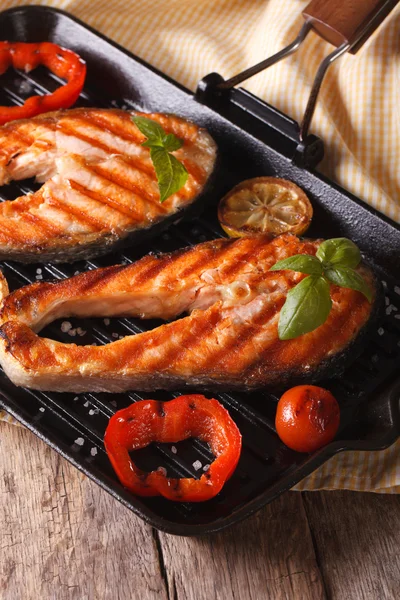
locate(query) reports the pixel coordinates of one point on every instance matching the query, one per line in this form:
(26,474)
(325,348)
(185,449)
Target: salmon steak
(99,187)
(226,305)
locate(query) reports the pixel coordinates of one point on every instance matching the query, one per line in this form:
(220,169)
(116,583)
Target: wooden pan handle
(342,21)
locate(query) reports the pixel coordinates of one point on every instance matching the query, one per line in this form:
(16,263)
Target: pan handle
(347,21)
(346,24)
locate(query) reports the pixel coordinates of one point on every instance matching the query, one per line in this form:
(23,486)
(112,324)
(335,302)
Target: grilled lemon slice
(265,205)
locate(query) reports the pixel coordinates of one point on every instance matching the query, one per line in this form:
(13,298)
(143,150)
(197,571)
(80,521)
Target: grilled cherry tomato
(170,422)
(265,205)
(63,63)
(307,418)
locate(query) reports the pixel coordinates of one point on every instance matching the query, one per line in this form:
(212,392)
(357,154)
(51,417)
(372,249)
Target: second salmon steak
(227,340)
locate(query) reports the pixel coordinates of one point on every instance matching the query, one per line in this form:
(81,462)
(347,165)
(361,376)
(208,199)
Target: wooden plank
(64,538)
(357,537)
(269,556)
(61,536)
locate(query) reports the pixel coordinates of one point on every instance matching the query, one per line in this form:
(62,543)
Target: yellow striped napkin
(357,114)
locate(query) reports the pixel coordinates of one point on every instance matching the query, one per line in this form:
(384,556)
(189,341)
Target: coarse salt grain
(77,273)
(162,470)
(66,326)
(397,289)
(79,441)
(87,403)
(93,451)
(80,331)
(39,276)
(72,332)
(106,321)
(206,467)
(25,87)
(76,398)
(114,335)
(397,316)
(387,301)
(381,331)
(391,308)
(174,450)
(197,465)
(38,271)
(41,409)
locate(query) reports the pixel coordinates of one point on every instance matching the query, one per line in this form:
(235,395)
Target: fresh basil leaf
(172,143)
(171,174)
(303,263)
(348,278)
(339,251)
(307,306)
(153,131)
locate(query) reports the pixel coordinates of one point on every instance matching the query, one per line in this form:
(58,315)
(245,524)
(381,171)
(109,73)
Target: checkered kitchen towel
(357,114)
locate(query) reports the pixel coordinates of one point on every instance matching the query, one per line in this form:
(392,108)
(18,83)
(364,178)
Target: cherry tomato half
(307,418)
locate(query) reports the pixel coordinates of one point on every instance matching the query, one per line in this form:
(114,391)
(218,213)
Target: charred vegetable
(170,422)
(307,418)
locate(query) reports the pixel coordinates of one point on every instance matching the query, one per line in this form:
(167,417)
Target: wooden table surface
(62,537)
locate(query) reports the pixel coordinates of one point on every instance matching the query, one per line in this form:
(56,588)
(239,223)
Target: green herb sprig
(309,303)
(171,174)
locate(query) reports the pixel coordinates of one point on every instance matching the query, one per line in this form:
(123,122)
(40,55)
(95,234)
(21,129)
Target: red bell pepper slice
(63,63)
(170,422)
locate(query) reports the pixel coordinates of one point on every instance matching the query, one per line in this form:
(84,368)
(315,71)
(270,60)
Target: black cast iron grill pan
(250,145)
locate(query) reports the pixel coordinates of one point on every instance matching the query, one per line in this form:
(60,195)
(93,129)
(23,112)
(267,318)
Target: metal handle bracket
(214,91)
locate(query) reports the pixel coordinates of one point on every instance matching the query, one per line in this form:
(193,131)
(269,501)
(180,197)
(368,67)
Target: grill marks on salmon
(228,338)
(100,187)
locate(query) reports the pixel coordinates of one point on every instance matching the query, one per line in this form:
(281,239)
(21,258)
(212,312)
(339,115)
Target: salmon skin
(227,340)
(100,189)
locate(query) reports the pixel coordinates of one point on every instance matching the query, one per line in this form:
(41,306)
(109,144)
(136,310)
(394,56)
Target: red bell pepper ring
(63,63)
(170,422)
